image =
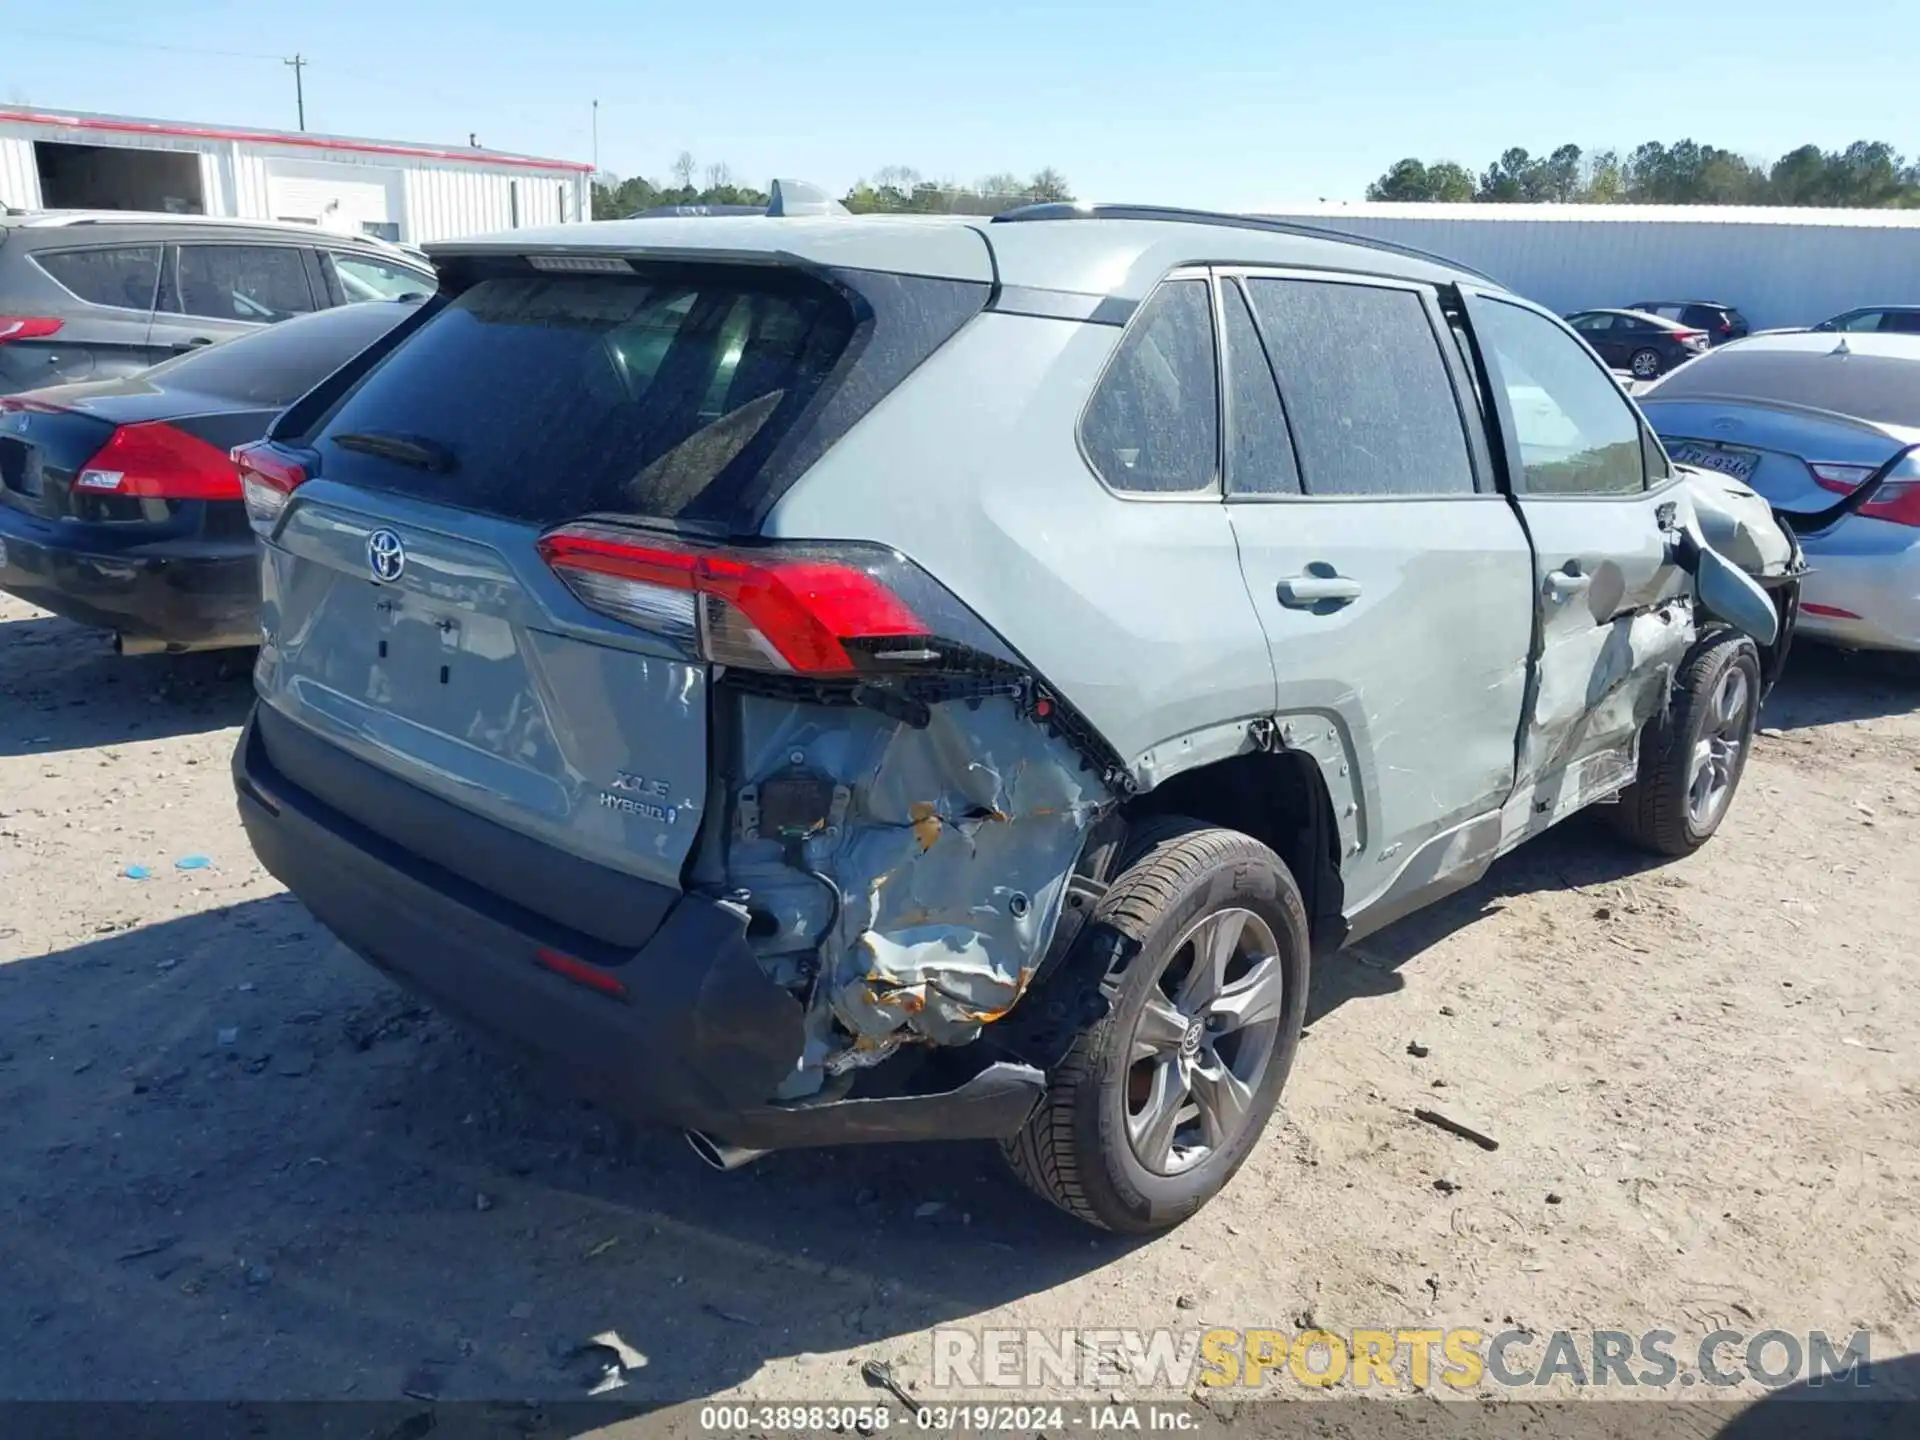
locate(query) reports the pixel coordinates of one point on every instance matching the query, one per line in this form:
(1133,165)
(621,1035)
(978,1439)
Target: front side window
(1153,424)
(1578,434)
(122,276)
(1366,387)
(1592,324)
(261,283)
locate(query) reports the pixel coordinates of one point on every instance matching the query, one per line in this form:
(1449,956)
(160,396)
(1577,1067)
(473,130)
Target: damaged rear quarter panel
(949,846)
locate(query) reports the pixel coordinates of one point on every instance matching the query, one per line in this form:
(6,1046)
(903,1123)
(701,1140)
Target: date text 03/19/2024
(944,1419)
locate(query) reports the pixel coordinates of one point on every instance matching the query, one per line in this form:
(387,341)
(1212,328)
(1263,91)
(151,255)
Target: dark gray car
(94,295)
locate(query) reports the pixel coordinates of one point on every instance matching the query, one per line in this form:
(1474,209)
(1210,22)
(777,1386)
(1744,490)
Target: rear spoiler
(1812,522)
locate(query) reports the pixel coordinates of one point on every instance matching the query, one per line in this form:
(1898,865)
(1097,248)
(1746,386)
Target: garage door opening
(114,177)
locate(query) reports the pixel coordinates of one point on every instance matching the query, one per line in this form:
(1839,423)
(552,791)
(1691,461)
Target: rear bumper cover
(700,1039)
(191,592)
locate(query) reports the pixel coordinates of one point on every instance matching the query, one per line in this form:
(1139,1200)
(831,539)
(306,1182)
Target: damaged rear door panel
(1614,610)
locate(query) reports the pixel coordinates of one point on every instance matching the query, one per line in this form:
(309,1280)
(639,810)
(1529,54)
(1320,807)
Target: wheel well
(1281,800)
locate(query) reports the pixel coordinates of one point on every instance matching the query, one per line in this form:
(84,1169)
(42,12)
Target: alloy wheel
(1716,755)
(1203,1041)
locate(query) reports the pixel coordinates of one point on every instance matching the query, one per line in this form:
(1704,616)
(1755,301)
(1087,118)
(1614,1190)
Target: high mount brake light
(153,460)
(827,612)
(268,475)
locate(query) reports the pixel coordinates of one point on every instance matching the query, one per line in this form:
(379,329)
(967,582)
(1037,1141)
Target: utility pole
(299,63)
(596,139)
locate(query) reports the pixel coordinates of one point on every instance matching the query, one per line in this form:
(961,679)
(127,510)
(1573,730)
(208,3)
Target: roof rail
(1074,210)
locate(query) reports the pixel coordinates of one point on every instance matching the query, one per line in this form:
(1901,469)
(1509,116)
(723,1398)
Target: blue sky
(1197,102)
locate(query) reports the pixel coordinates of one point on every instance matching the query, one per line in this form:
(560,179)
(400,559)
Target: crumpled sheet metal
(952,862)
(1585,681)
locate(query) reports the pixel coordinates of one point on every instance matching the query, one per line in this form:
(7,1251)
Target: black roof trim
(1071,210)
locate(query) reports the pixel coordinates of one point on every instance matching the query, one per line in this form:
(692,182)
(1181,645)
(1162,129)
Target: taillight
(1897,501)
(155,461)
(825,611)
(268,475)
(1690,337)
(27,327)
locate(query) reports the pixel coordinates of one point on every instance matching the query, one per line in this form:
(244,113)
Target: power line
(137,44)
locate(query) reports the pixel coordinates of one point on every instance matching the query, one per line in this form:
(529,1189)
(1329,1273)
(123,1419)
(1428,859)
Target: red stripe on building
(113,126)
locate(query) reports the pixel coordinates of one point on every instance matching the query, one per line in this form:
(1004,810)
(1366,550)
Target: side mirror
(1735,596)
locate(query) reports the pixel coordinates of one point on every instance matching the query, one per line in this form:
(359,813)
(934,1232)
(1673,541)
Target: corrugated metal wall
(19,177)
(1776,274)
(439,200)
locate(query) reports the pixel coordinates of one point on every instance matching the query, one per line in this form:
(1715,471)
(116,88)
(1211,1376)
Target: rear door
(214,290)
(102,295)
(1596,494)
(1393,581)
(409,616)
(1603,333)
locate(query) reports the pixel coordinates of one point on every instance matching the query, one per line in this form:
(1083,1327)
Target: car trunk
(42,449)
(414,623)
(1768,447)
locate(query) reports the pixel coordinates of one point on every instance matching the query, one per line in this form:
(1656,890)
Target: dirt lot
(235,1163)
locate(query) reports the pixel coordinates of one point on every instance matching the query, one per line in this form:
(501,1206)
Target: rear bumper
(193,593)
(1879,591)
(700,1039)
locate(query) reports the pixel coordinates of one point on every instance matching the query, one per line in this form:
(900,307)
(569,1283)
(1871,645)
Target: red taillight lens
(27,327)
(581,973)
(155,461)
(1897,501)
(800,611)
(268,475)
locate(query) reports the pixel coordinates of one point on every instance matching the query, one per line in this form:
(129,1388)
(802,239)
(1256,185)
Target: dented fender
(906,871)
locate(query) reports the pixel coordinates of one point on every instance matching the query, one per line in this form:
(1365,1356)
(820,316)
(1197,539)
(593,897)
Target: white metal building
(409,193)
(1777,266)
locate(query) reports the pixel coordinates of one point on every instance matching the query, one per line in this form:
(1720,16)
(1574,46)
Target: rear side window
(262,283)
(1259,450)
(123,276)
(1578,434)
(1366,387)
(277,365)
(550,397)
(1153,424)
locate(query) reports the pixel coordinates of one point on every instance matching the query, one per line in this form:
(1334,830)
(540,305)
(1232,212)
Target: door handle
(1303,592)
(1565,584)
(194,344)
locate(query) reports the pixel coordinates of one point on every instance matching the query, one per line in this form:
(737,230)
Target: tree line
(895,189)
(1868,174)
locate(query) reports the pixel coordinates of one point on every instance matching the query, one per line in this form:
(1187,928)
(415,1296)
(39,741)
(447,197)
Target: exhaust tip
(719,1154)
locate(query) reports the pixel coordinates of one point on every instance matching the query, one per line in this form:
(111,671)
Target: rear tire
(1646,364)
(1693,754)
(1160,1102)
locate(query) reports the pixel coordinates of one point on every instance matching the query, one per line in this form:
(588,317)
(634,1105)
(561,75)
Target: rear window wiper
(421,454)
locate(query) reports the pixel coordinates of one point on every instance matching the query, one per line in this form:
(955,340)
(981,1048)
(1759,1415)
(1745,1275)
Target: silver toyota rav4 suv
(841,679)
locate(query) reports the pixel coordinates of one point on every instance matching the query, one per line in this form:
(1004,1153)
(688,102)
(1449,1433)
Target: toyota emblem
(386,556)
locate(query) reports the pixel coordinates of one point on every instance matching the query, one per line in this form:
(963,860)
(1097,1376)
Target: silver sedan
(1806,419)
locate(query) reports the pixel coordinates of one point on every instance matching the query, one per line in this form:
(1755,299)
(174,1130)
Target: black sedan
(119,504)
(1645,345)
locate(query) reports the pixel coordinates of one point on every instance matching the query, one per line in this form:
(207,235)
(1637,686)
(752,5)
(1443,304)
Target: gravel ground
(234,1162)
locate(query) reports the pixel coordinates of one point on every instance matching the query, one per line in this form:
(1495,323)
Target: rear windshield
(1881,388)
(540,398)
(279,364)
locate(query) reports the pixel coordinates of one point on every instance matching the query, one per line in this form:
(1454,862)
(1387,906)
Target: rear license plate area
(1726,460)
